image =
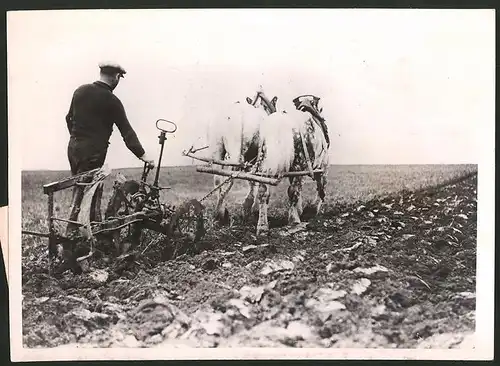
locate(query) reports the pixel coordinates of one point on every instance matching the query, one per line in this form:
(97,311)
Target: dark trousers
(84,156)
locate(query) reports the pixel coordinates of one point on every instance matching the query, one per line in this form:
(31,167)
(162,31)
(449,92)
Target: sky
(397,86)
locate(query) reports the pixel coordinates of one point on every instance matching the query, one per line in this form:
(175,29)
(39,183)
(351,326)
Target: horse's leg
(255,203)
(221,211)
(321,182)
(299,202)
(251,203)
(249,199)
(263,196)
(295,200)
(218,205)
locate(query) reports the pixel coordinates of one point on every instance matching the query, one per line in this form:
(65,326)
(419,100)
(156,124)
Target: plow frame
(152,218)
(111,224)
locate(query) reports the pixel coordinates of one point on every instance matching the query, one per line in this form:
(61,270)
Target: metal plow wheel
(186,227)
(135,235)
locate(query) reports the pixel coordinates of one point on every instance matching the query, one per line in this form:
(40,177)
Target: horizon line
(194,166)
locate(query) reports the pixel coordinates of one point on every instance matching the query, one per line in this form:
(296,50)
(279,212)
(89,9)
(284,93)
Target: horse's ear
(249,100)
(274,100)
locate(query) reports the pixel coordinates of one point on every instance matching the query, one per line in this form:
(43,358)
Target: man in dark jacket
(93,112)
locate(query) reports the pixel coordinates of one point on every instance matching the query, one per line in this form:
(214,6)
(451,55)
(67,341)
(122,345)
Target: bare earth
(389,264)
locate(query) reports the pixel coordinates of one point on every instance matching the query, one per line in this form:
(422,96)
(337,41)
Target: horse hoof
(223,219)
(247,215)
(262,232)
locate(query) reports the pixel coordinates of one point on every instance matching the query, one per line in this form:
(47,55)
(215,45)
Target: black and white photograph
(251,183)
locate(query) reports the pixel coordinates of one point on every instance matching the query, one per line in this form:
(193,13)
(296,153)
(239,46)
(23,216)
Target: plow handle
(162,138)
(145,172)
(162,129)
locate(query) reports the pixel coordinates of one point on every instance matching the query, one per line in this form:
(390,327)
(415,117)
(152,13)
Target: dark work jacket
(93,112)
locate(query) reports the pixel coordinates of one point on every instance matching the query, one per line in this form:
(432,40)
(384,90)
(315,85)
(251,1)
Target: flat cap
(112,67)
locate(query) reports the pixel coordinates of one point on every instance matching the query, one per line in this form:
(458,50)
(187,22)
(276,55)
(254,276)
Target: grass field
(390,263)
(346,184)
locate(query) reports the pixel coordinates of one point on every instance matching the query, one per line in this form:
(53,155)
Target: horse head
(309,103)
(261,100)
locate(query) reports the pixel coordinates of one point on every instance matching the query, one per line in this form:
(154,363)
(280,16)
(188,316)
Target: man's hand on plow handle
(150,162)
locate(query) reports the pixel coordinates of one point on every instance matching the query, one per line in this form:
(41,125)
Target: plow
(133,209)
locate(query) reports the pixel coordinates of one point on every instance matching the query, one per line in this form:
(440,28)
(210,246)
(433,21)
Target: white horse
(294,141)
(234,136)
(273,141)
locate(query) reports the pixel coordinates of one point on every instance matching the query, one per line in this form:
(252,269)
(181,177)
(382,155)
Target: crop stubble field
(390,263)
